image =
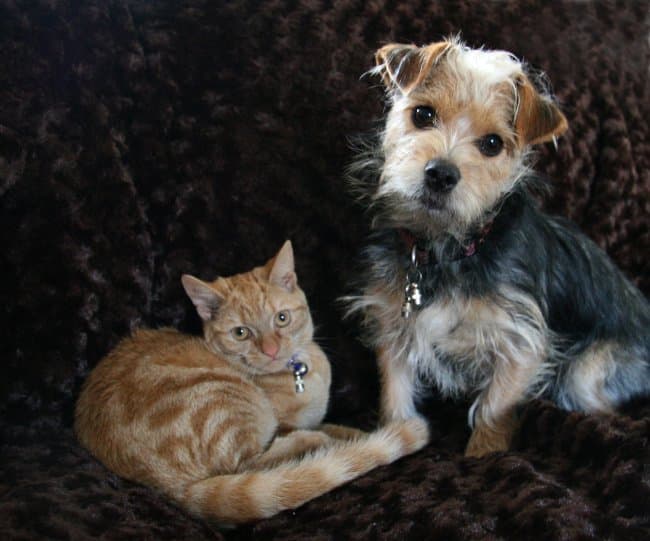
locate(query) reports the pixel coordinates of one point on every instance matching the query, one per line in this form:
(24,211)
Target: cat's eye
(283,318)
(490,145)
(241,333)
(423,117)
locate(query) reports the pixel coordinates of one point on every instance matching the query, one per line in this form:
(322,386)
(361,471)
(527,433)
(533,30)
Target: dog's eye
(490,145)
(423,117)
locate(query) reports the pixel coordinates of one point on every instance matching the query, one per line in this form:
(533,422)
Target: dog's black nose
(441,175)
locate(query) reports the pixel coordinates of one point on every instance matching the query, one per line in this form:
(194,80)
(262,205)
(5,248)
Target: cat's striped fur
(216,422)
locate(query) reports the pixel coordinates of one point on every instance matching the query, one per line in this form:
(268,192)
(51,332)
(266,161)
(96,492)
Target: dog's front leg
(397,386)
(495,417)
(491,436)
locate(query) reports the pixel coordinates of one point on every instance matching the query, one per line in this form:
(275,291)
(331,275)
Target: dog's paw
(484,441)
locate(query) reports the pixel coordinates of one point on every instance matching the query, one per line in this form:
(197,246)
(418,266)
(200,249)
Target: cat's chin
(274,366)
(266,367)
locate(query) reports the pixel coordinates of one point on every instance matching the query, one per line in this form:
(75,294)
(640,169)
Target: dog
(466,283)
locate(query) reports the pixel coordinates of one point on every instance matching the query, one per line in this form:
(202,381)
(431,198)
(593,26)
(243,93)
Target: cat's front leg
(289,446)
(306,409)
(341,432)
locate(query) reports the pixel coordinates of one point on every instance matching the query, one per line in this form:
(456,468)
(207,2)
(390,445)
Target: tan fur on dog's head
(479,101)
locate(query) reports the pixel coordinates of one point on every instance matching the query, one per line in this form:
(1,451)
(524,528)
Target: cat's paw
(310,440)
(414,433)
(341,432)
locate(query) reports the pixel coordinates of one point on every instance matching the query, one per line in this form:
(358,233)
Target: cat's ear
(205,298)
(282,270)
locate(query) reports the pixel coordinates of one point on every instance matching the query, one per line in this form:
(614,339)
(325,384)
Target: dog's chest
(452,343)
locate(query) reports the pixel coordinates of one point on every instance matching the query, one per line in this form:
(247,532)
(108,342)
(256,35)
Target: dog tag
(407,309)
(412,294)
(412,298)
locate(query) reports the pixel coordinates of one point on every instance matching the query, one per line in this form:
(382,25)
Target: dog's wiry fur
(538,308)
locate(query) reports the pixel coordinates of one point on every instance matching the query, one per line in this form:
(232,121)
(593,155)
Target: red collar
(424,256)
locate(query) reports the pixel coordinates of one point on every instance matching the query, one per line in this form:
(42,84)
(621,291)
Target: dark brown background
(140,140)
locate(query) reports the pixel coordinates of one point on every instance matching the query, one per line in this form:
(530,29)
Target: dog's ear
(405,66)
(537,119)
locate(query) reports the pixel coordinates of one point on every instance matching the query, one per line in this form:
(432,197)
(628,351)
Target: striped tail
(256,495)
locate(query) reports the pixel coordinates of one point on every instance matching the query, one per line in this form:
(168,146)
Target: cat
(229,425)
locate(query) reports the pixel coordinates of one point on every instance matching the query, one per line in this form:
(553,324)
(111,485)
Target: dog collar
(422,256)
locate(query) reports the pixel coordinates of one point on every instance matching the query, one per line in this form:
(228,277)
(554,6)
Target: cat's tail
(260,494)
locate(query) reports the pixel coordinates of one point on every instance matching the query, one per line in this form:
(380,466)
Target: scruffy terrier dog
(468,284)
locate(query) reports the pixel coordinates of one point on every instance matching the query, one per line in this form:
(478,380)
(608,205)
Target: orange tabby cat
(229,425)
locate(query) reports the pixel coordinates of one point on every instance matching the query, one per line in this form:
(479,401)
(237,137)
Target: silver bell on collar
(299,370)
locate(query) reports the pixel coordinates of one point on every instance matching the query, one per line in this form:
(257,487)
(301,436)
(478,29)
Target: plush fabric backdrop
(141,140)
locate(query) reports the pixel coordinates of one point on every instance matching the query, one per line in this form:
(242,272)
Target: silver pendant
(412,294)
(299,370)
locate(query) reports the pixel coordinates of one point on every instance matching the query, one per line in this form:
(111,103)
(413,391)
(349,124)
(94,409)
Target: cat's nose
(270,346)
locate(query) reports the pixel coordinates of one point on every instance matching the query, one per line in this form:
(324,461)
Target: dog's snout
(441,175)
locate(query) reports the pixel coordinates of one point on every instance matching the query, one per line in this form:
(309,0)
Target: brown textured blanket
(140,140)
